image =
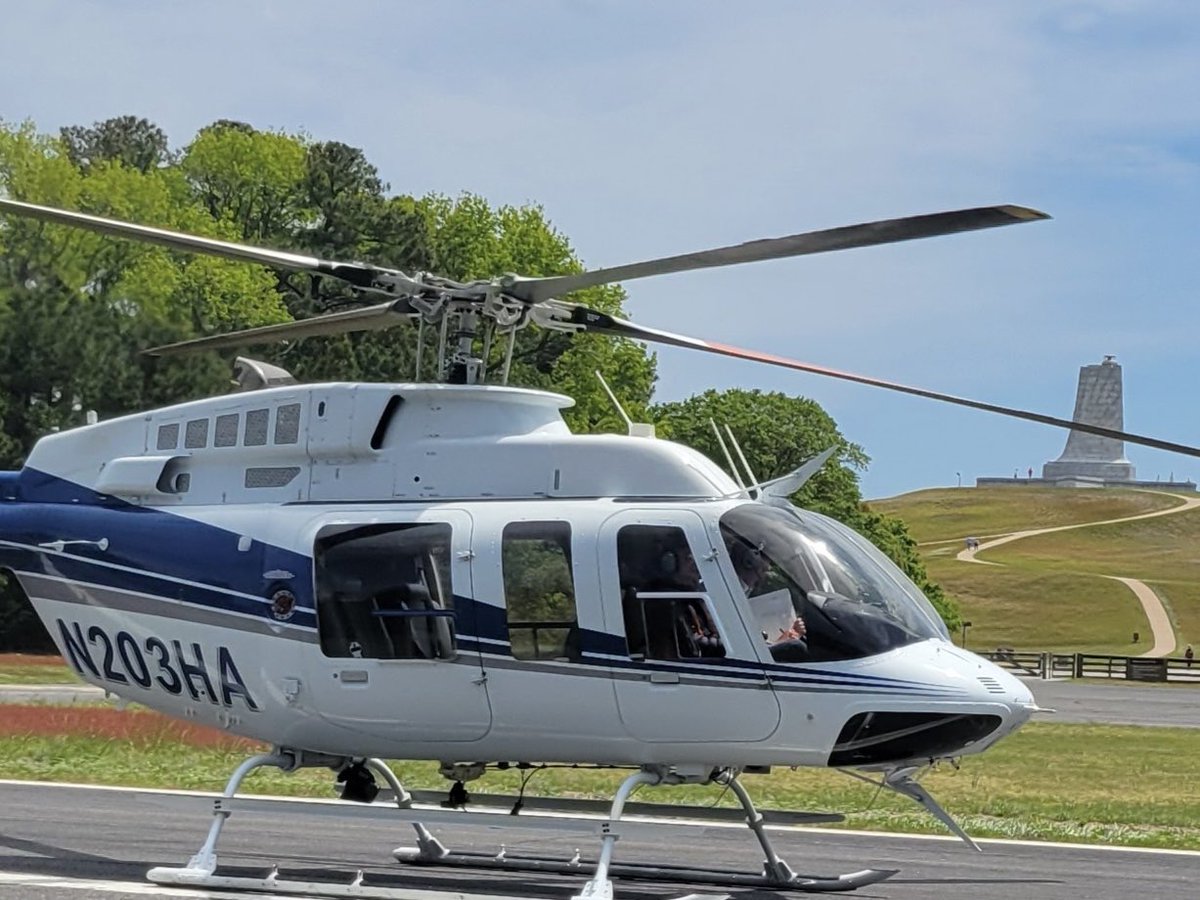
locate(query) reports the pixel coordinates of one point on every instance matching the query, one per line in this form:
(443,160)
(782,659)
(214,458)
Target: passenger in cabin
(678,571)
(694,633)
(658,560)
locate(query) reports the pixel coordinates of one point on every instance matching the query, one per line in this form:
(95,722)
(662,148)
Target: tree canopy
(76,308)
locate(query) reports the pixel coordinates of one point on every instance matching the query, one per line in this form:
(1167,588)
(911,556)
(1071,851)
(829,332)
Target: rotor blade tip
(1025,213)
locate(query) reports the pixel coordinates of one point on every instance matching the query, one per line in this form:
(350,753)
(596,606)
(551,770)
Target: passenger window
(256,427)
(383,591)
(196,435)
(539,590)
(226,431)
(168,436)
(663,601)
(287,424)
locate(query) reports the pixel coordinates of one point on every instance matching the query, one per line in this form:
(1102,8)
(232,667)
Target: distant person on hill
(1189,654)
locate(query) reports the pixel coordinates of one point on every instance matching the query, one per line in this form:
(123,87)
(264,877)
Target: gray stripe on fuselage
(84,594)
(596,668)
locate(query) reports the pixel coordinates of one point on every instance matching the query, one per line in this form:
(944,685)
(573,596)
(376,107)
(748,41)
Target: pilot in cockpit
(750,566)
(782,627)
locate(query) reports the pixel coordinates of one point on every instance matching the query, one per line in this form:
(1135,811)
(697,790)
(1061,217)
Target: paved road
(1118,703)
(84,835)
(65,694)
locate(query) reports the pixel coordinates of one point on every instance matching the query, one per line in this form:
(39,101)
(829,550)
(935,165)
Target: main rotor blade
(888,231)
(368,318)
(602,323)
(358,274)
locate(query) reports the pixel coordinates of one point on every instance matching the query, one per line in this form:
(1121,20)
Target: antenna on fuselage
(635,429)
(733,469)
(751,478)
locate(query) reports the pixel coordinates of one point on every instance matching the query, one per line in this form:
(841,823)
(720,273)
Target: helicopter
(442,571)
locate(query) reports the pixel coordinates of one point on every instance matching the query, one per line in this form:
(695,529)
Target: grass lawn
(1167,547)
(1182,599)
(21,668)
(1164,552)
(1060,611)
(1109,784)
(1048,593)
(945,514)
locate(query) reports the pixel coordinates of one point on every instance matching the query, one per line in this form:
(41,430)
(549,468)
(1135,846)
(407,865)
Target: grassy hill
(1049,591)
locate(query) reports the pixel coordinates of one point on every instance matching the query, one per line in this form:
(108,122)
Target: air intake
(993,686)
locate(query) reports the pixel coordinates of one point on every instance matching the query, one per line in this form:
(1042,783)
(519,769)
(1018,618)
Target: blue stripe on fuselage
(150,550)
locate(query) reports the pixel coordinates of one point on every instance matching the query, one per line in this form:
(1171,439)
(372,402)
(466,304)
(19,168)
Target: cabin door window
(664,603)
(539,590)
(394,600)
(384,591)
(690,672)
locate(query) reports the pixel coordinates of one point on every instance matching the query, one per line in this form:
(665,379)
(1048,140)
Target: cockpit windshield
(818,591)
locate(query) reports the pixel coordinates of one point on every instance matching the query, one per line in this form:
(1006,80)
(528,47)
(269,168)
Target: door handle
(664,678)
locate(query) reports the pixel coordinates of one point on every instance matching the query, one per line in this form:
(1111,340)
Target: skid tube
(776,873)
(200,870)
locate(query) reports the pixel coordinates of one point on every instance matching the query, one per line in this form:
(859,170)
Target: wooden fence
(1045,664)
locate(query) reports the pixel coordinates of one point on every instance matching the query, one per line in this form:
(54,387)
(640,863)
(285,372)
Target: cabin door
(690,672)
(393,594)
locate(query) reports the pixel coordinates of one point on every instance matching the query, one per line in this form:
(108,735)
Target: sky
(651,129)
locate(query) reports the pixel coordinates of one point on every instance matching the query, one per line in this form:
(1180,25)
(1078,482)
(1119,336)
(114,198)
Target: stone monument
(1089,457)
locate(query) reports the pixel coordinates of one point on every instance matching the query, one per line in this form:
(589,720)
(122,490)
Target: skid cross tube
(600,886)
(203,864)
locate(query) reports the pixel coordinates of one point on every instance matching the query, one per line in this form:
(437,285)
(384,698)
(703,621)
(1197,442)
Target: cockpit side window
(815,593)
(663,598)
(383,591)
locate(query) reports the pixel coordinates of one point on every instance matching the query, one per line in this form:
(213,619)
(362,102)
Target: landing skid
(514,862)
(420,807)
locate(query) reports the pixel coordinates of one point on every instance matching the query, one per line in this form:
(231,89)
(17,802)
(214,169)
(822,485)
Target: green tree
(76,307)
(249,179)
(777,434)
(135,143)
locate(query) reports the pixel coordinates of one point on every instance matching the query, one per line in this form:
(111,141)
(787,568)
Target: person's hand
(794,632)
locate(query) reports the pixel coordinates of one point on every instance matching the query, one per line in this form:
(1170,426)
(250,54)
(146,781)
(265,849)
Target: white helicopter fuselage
(446,572)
